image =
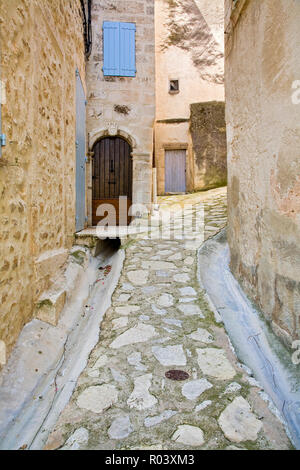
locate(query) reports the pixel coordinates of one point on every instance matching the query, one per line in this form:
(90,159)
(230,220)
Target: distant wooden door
(112,178)
(175,171)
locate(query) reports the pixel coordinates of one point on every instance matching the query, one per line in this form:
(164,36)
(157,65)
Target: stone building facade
(262,95)
(42,45)
(190,70)
(123,106)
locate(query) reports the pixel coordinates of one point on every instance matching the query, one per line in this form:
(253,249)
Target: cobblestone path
(159,323)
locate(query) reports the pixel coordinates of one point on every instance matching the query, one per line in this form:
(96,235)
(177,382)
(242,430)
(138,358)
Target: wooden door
(112,178)
(175,171)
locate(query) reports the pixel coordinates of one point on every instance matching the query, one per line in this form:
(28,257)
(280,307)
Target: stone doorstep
(89,238)
(93,237)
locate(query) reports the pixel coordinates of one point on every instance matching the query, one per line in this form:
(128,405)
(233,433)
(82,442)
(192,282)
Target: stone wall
(262,114)
(189,48)
(42,44)
(124,105)
(208,134)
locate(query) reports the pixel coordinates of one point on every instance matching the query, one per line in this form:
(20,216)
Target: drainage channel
(254,342)
(44,367)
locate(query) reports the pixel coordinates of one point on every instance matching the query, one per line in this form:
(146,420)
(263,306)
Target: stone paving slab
(125,399)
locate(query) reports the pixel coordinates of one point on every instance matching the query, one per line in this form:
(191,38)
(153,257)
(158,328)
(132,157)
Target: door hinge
(77,144)
(2,140)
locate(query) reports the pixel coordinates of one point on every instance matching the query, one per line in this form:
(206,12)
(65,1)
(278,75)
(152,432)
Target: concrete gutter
(42,372)
(254,342)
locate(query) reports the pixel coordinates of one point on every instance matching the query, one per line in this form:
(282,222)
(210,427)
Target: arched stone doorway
(112,179)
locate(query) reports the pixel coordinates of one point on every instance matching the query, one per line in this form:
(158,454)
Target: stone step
(50,306)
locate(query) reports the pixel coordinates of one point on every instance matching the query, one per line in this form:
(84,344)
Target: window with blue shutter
(119,49)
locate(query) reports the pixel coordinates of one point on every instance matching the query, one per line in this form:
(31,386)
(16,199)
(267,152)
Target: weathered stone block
(50,306)
(49,263)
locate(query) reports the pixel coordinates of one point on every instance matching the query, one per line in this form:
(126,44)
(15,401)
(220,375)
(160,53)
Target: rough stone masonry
(41,47)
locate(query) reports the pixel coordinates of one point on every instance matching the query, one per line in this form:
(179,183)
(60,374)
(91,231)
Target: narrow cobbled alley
(164,375)
(149,227)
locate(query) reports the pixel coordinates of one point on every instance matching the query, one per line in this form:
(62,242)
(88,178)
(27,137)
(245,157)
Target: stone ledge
(50,262)
(52,301)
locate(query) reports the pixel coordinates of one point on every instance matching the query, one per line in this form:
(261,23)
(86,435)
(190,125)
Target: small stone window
(173,87)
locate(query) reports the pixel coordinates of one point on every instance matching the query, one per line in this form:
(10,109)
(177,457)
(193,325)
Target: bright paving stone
(123,298)
(176,257)
(238,422)
(120,428)
(191,309)
(187,300)
(135,359)
(203,405)
(189,261)
(214,363)
(101,362)
(189,436)
(170,356)
(78,440)
(138,278)
(120,323)
(98,398)
(166,300)
(233,388)
(158,311)
(128,310)
(195,388)
(182,278)
(155,420)
(140,398)
(202,335)
(189,291)
(173,321)
(117,376)
(158,265)
(137,334)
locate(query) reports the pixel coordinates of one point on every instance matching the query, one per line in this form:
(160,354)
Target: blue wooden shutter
(127,49)
(119,49)
(111,49)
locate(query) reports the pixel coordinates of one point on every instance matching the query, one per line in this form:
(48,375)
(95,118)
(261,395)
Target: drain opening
(178,375)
